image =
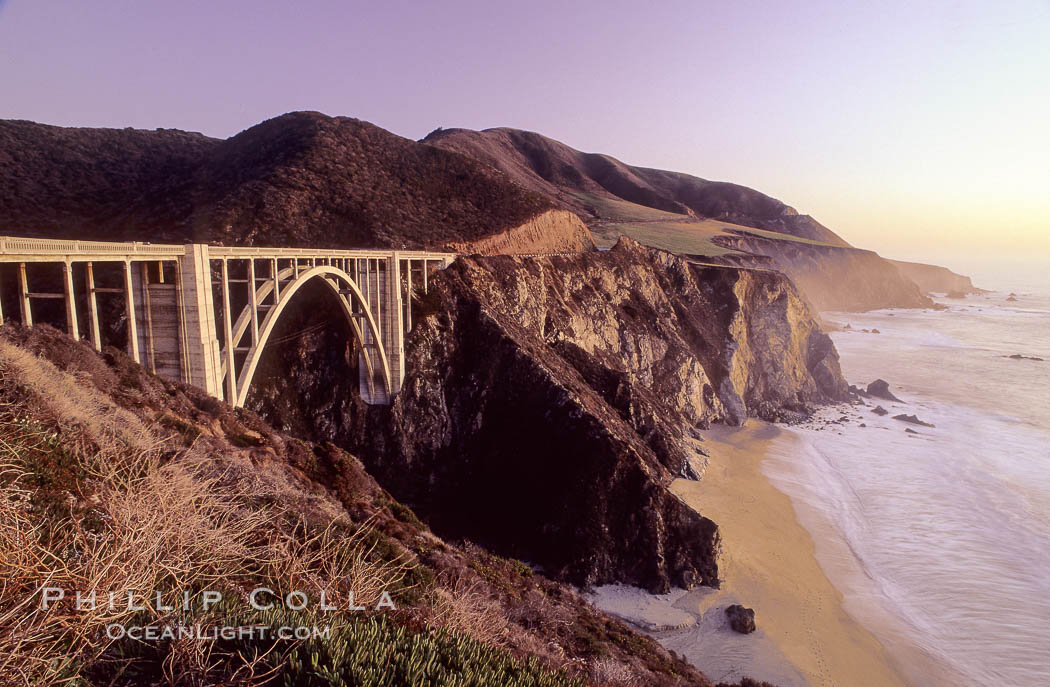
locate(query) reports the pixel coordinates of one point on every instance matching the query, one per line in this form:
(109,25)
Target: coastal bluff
(552,400)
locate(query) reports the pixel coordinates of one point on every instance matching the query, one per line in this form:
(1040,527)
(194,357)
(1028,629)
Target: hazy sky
(919,129)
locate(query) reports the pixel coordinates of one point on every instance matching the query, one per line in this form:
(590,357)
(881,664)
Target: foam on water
(948,530)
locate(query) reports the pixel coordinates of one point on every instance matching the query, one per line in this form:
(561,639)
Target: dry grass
(341,565)
(609,673)
(137,516)
(89,421)
(467,608)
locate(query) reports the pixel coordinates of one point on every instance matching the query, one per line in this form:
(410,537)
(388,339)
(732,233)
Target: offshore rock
(913,419)
(880,388)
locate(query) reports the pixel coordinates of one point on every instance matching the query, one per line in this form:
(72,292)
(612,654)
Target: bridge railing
(21,246)
(245,252)
(30,246)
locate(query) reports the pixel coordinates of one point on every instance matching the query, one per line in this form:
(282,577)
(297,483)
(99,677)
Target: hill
(299,179)
(709,220)
(597,186)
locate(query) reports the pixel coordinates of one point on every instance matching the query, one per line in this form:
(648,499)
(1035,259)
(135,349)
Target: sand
(768,563)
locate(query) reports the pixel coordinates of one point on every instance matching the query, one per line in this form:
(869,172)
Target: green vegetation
(687,237)
(374,651)
(777,236)
(614,209)
(361,650)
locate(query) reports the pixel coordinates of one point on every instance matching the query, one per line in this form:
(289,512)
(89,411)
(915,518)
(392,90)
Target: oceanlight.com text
(117,631)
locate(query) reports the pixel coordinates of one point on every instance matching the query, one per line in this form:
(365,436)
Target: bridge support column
(227,333)
(157,321)
(23,296)
(201,343)
(71,302)
(129,300)
(393,325)
(92,300)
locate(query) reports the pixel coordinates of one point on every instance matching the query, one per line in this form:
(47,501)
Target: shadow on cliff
(550,401)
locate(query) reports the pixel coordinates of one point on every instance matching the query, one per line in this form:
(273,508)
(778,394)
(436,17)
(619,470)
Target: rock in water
(880,388)
(912,419)
(741,619)
(879,410)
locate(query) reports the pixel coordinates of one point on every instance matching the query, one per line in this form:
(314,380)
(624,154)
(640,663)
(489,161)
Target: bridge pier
(92,301)
(394,322)
(23,292)
(201,345)
(72,326)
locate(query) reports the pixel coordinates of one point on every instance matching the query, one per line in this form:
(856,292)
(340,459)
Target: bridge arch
(361,320)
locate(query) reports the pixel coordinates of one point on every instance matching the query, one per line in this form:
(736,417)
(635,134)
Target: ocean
(939,540)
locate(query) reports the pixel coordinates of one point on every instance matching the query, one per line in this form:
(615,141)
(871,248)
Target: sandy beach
(768,563)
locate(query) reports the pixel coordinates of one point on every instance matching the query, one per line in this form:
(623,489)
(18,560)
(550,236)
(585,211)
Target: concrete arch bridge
(204,314)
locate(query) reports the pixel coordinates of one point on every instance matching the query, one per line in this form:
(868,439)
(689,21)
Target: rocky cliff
(935,279)
(831,277)
(551,400)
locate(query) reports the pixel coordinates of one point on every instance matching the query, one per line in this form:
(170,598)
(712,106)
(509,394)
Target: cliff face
(831,277)
(554,231)
(550,401)
(935,279)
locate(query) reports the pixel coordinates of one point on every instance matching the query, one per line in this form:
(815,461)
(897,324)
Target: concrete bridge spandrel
(204,314)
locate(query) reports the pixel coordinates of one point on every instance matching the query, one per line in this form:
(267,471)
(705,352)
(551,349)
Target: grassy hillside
(685,236)
(616,210)
(575,179)
(112,479)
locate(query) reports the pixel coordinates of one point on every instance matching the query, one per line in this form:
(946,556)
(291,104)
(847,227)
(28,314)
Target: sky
(918,129)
